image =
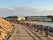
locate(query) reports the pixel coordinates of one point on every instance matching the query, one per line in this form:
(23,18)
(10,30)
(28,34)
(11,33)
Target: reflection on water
(47,24)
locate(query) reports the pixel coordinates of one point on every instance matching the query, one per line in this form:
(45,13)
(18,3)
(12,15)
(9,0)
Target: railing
(43,29)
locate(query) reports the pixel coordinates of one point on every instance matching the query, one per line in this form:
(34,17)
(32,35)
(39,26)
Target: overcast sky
(41,4)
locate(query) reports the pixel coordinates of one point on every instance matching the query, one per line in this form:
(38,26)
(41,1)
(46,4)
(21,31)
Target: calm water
(46,24)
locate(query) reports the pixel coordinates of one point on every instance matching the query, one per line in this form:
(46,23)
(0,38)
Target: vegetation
(51,17)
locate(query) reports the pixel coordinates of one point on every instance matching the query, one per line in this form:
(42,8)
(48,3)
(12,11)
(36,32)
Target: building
(20,18)
(39,18)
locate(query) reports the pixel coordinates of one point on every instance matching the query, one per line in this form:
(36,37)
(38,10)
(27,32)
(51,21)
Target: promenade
(22,32)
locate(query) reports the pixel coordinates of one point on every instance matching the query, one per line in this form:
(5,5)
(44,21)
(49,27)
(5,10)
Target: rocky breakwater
(6,29)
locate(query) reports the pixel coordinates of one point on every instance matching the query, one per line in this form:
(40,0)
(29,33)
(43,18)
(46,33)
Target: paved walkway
(20,34)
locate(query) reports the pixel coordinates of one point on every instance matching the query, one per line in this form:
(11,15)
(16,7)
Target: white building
(21,18)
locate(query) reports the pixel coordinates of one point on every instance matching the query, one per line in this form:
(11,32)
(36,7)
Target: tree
(51,17)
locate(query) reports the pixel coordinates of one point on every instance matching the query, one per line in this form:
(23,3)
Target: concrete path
(20,34)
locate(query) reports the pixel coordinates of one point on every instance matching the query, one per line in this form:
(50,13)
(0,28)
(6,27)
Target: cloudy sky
(6,5)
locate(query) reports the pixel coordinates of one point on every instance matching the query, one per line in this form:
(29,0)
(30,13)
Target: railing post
(34,26)
(41,28)
(37,27)
(47,31)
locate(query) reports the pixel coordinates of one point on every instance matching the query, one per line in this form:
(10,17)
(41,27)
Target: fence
(43,29)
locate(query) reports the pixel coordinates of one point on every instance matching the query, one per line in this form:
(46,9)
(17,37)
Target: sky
(39,4)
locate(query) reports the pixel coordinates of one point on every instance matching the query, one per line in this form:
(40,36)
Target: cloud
(24,11)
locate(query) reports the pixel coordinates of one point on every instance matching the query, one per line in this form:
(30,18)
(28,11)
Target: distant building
(21,18)
(39,18)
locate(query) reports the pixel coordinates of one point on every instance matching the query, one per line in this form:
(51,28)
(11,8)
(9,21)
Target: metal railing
(43,29)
